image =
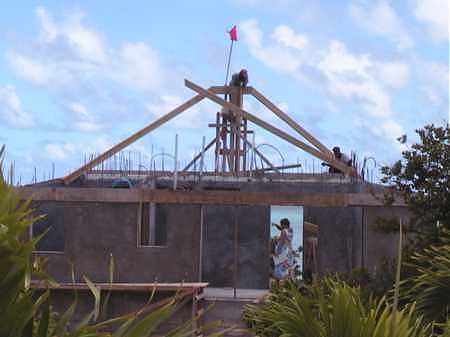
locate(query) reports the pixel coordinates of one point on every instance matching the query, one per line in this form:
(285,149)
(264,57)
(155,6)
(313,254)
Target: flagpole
(228,64)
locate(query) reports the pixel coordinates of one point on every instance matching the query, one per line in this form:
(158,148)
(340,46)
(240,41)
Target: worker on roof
(239,79)
(342,157)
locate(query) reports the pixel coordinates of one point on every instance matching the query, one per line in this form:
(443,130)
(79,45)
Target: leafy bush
(429,283)
(422,177)
(330,308)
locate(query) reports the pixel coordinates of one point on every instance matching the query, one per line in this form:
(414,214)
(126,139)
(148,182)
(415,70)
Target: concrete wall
(382,245)
(252,226)
(93,231)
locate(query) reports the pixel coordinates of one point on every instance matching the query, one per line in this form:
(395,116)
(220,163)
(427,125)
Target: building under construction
(198,228)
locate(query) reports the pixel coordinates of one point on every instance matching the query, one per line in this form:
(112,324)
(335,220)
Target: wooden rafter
(280,133)
(320,151)
(292,123)
(134,137)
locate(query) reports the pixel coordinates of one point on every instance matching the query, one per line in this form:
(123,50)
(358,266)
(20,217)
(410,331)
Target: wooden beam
(126,142)
(136,195)
(144,287)
(224,89)
(280,133)
(292,123)
(278,168)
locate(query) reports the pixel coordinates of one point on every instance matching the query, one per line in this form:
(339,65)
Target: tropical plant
(428,283)
(330,308)
(25,312)
(422,177)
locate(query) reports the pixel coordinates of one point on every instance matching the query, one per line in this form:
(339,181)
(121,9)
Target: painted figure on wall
(283,254)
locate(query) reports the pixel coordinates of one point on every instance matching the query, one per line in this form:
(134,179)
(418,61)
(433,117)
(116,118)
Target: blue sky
(76,77)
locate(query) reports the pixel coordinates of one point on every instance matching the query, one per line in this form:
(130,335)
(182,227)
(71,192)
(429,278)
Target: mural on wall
(286,233)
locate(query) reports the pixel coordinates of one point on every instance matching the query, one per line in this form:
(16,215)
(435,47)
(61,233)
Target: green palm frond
(331,309)
(429,284)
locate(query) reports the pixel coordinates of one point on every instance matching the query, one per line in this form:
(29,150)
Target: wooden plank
(221,89)
(135,195)
(134,137)
(144,287)
(278,168)
(292,123)
(280,133)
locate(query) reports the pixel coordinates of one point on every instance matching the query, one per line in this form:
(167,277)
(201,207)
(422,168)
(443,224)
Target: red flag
(233,34)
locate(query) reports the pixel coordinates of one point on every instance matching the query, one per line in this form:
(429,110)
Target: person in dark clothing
(239,79)
(342,157)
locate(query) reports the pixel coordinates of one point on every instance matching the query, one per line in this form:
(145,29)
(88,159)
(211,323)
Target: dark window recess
(53,239)
(153,225)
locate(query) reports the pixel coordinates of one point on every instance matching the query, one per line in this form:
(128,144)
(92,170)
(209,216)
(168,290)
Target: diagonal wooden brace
(134,137)
(292,123)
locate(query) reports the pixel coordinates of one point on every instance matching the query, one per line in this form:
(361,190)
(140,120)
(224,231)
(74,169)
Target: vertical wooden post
(236,250)
(200,259)
(244,147)
(217,152)
(175,169)
(236,121)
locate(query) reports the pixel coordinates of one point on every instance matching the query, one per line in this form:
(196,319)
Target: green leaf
(96,292)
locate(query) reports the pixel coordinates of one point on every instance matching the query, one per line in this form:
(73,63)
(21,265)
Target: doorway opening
(286,242)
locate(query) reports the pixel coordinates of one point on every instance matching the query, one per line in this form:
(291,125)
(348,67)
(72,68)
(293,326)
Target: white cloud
(62,150)
(283,55)
(11,111)
(58,152)
(85,42)
(394,74)
(435,14)
(83,120)
(357,78)
(74,63)
(166,103)
(69,54)
(381,19)
(49,31)
(392,129)
(193,118)
(140,66)
(433,81)
(252,34)
(286,36)
(350,76)
(28,69)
